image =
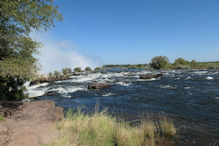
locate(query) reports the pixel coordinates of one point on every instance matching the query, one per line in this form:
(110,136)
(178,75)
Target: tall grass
(101,129)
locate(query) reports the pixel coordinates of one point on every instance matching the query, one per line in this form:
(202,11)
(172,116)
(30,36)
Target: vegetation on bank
(127,66)
(162,62)
(101,129)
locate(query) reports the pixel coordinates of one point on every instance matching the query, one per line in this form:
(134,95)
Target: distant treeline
(162,62)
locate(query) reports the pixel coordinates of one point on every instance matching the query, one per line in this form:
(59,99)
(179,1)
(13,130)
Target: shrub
(1,118)
(56,73)
(88,69)
(77,69)
(181,61)
(11,88)
(97,69)
(159,62)
(66,71)
(50,75)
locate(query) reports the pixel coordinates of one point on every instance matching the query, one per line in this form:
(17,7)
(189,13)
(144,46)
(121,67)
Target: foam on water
(200,72)
(187,78)
(168,87)
(35,91)
(108,94)
(187,87)
(66,90)
(209,78)
(123,84)
(152,79)
(37,86)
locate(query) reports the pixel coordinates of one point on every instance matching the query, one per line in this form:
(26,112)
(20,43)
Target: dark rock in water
(158,75)
(146,76)
(149,76)
(98,86)
(50,94)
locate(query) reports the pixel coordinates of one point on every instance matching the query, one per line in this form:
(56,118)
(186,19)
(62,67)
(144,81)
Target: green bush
(11,88)
(1,118)
(56,73)
(88,69)
(159,62)
(66,71)
(77,69)
(97,69)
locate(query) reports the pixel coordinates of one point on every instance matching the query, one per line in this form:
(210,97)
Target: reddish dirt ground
(29,123)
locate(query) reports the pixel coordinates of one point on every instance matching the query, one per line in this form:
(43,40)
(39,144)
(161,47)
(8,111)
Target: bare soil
(29,123)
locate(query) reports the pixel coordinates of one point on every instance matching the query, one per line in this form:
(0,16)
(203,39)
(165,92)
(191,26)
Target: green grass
(101,129)
(1,118)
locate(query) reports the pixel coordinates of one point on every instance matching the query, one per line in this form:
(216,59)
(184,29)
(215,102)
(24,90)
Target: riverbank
(29,123)
(37,123)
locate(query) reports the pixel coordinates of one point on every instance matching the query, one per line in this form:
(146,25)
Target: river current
(189,97)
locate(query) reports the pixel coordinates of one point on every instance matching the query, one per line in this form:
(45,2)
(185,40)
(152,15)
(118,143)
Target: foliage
(88,69)
(77,69)
(100,129)
(66,71)
(97,69)
(56,73)
(159,62)
(127,66)
(181,61)
(17,19)
(11,88)
(1,118)
(50,75)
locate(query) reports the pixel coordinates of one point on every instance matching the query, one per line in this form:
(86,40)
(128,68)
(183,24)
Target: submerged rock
(98,86)
(149,76)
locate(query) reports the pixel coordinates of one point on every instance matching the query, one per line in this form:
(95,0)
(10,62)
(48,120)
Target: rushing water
(190,98)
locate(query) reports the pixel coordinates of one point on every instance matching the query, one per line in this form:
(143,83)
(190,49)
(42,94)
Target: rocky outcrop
(31,124)
(98,86)
(149,76)
(47,80)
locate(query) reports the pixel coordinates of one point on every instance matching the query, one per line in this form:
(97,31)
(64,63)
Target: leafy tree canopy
(88,69)
(159,62)
(77,69)
(17,62)
(17,19)
(181,61)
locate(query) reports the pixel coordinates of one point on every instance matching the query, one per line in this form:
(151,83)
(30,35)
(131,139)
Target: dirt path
(31,124)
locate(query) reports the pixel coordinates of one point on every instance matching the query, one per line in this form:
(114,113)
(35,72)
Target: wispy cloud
(55,55)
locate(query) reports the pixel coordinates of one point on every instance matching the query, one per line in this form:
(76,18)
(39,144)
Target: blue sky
(134,31)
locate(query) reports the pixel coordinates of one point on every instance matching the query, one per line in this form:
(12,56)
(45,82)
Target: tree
(77,69)
(17,19)
(66,71)
(88,69)
(159,62)
(181,61)
(50,75)
(56,73)
(97,69)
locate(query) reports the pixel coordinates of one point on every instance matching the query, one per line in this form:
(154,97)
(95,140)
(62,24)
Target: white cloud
(55,55)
